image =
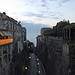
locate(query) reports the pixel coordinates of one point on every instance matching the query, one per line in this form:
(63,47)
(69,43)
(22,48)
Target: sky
(36,14)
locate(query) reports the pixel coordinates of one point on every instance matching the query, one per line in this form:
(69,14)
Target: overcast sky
(45,12)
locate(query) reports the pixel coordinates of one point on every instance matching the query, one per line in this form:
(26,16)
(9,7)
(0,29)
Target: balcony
(6,41)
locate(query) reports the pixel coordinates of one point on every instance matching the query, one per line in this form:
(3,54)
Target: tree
(57,30)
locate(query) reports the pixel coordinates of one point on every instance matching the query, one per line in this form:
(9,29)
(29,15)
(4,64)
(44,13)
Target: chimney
(4,13)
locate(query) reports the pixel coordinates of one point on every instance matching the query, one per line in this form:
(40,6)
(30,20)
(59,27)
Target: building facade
(12,36)
(57,53)
(44,29)
(6,48)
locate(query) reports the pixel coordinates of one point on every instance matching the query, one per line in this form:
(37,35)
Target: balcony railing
(5,41)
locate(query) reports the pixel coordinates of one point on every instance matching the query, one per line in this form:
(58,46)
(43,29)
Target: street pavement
(35,66)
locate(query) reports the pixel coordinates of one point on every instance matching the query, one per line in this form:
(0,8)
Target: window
(5,22)
(0,18)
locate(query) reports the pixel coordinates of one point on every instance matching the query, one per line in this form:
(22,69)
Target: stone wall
(53,55)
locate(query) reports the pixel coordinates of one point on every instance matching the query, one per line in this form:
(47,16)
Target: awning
(9,33)
(6,33)
(1,33)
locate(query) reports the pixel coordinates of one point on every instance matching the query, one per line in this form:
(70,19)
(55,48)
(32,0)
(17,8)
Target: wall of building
(18,33)
(53,52)
(5,57)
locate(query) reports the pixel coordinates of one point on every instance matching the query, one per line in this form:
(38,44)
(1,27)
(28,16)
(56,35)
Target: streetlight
(26,68)
(29,47)
(37,58)
(29,57)
(37,63)
(39,71)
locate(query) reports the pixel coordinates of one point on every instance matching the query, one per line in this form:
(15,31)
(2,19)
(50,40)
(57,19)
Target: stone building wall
(18,34)
(53,55)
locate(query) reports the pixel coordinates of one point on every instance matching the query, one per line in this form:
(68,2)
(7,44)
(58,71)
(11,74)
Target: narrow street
(35,66)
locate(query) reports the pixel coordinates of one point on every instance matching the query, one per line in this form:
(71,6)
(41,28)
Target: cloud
(56,18)
(52,0)
(43,3)
(62,2)
(43,0)
(34,3)
(30,14)
(39,17)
